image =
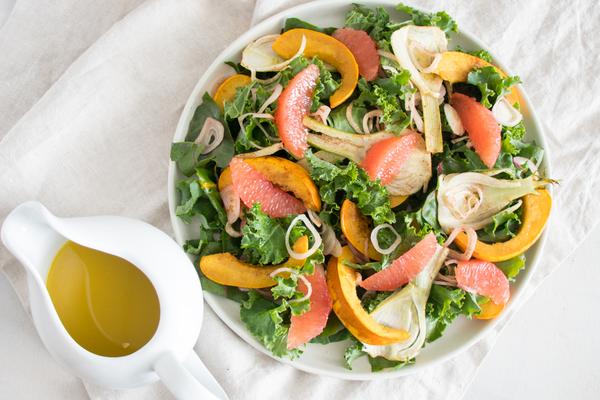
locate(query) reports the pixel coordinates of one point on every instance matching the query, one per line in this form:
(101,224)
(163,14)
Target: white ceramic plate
(328,359)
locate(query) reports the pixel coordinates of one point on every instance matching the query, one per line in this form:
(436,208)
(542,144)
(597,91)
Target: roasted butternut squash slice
(226,269)
(454,66)
(224,179)
(329,50)
(489,310)
(355,226)
(395,201)
(286,174)
(341,282)
(227,89)
(536,210)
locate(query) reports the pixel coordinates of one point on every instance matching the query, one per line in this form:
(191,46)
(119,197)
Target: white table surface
(548,351)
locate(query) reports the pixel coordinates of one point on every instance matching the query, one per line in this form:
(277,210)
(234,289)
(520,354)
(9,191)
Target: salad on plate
(368,183)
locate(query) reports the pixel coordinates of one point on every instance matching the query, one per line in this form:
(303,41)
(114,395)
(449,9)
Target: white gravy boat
(34,236)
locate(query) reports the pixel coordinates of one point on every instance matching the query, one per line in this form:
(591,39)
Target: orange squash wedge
(355,226)
(454,66)
(286,174)
(329,50)
(395,201)
(226,269)
(289,176)
(224,179)
(536,210)
(489,310)
(227,88)
(341,282)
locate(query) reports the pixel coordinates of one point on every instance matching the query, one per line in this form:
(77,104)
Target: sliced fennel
(471,199)
(415,48)
(405,309)
(349,145)
(413,176)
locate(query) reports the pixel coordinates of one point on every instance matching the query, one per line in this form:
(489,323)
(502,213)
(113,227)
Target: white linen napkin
(90,93)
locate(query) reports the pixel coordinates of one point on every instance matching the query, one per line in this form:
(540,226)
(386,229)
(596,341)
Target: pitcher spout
(28,233)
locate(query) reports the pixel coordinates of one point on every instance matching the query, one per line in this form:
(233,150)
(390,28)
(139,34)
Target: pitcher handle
(188,380)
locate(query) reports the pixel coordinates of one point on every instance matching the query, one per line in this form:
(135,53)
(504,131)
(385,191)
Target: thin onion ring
(211,135)
(471,243)
(375,241)
(312,229)
(277,89)
(298,275)
(351,121)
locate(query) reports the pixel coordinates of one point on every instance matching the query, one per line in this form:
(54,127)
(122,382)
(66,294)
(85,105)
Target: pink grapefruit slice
(363,48)
(310,324)
(253,187)
(405,268)
(483,278)
(292,106)
(385,158)
(481,126)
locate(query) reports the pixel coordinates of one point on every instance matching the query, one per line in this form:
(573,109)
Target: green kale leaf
(444,305)
(512,267)
(296,23)
(491,84)
(386,94)
(381,363)
(440,19)
(263,240)
(265,321)
(337,183)
(376,22)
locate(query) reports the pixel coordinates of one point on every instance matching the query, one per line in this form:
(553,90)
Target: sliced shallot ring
(351,120)
(231,201)
(268,80)
(232,232)
(331,245)
(272,98)
(280,66)
(414,113)
(211,135)
(368,116)
(453,120)
(317,238)
(265,151)
(375,241)
(322,113)
(522,162)
(314,218)
(471,243)
(300,276)
(274,67)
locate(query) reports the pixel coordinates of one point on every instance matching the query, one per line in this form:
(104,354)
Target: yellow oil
(106,304)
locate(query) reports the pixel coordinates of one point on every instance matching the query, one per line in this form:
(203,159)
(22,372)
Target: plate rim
(213,300)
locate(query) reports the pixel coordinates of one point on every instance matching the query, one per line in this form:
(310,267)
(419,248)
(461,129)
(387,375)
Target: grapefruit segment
(405,268)
(253,187)
(310,324)
(363,49)
(385,158)
(483,278)
(481,126)
(292,106)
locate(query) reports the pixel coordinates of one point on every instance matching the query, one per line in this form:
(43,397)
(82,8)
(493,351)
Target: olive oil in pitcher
(106,304)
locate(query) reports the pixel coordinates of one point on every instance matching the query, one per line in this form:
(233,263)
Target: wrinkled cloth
(91,92)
